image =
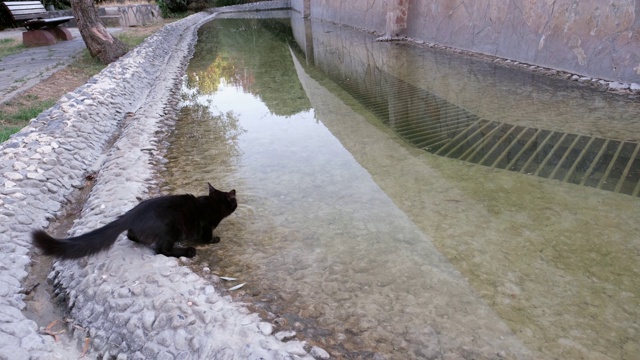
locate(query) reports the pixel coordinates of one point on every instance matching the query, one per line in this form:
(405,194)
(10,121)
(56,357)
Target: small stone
(24,219)
(296,348)
(50,161)
(265,328)
(52,188)
(45,150)
(319,353)
(19,196)
(280,322)
(19,165)
(164,338)
(13,176)
(36,176)
(162,355)
(614,85)
(148,318)
(191,278)
(285,335)
(137,340)
(14,352)
(634,87)
(182,339)
(122,305)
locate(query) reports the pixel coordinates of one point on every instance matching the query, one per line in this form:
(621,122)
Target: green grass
(26,112)
(5,132)
(130,39)
(91,66)
(10,46)
(11,123)
(87,65)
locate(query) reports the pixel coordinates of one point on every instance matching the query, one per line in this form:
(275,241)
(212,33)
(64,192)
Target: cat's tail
(79,246)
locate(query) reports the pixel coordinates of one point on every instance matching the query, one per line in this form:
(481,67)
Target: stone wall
(596,38)
(359,63)
(364,14)
(120,15)
(134,15)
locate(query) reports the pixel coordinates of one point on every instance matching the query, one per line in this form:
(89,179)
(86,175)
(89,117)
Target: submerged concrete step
(445,129)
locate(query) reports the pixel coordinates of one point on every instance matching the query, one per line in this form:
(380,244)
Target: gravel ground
(126,303)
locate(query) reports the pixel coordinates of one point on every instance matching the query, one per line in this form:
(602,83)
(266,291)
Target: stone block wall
(363,14)
(128,15)
(596,38)
(135,15)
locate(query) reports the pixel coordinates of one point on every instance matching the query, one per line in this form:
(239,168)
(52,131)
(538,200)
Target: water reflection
(248,57)
(447,128)
(371,246)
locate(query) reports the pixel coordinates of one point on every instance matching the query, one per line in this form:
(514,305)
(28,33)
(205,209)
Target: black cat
(159,222)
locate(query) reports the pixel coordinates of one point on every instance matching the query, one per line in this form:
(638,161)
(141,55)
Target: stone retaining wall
(120,15)
(594,38)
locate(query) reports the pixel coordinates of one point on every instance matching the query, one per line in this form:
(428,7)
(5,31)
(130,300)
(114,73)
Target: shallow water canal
(402,203)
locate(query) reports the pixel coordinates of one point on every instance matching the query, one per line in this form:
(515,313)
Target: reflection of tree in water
(242,53)
(203,146)
(208,81)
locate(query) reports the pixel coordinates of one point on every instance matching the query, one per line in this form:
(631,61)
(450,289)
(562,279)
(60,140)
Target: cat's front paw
(211,240)
(190,252)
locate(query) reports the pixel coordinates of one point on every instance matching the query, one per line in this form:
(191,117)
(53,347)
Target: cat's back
(166,204)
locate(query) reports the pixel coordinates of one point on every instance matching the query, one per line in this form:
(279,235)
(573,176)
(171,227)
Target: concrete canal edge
(126,303)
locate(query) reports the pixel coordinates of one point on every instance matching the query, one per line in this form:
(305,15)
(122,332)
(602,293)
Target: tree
(98,40)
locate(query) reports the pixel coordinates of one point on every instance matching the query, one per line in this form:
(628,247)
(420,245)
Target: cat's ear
(212,190)
(231,195)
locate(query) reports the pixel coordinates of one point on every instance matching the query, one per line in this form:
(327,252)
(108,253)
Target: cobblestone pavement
(128,302)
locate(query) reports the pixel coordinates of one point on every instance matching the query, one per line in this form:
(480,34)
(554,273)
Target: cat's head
(225,199)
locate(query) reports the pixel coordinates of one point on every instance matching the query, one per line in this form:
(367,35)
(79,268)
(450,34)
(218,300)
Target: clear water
(372,246)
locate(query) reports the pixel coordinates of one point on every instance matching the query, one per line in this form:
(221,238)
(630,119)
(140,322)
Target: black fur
(159,222)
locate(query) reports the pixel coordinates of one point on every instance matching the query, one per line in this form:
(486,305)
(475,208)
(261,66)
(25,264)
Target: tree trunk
(98,40)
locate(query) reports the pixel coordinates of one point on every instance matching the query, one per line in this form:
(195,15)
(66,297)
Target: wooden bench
(41,30)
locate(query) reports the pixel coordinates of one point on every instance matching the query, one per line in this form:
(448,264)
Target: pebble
(265,328)
(284,335)
(14,176)
(319,353)
(36,176)
(19,165)
(618,86)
